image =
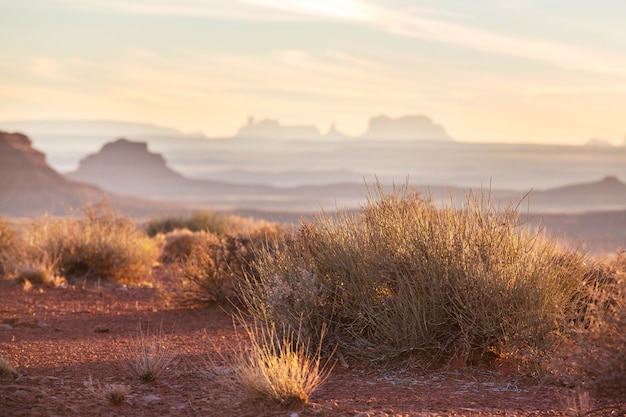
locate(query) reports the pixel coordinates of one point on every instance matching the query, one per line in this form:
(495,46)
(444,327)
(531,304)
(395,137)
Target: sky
(523,71)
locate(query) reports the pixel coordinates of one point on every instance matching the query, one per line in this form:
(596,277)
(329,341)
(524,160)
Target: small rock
(5,326)
(100,329)
(151,398)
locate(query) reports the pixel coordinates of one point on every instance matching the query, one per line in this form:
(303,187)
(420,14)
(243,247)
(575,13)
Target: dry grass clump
(212,266)
(114,393)
(601,334)
(100,245)
(406,277)
(150,355)
(10,246)
(7,368)
(202,221)
(279,367)
(39,269)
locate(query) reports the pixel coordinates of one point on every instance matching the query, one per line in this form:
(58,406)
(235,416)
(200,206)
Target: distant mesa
(416,127)
(271,129)
(94,127)
(29,186)
(406,128)
(126,167)
(598,143)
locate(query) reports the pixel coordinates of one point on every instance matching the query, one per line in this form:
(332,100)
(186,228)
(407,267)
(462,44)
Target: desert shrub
(179,244)
(404,276)
(214,266)
(6,367)
(279,367)
(10,246)
(38,268)
(202,221)
(99,245)
(601,334)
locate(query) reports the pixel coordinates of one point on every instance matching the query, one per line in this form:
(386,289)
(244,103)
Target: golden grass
(150,355)
(404,277)
(6,367)
(101,245)
(115,394)
(279,367)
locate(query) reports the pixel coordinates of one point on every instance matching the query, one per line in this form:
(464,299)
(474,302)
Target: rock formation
(271,129)
(415,127)
(28,185)
(127,167)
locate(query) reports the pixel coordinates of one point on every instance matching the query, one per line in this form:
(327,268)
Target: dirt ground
(59,338)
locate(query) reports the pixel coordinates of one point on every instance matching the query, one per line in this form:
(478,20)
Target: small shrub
(100,245)
(39,269)
(150,355)
(601,334)
(10,246)
(114,393)
(6,368)
(202,221)
(405,277)
(279,367)
(179,244)
(214,266)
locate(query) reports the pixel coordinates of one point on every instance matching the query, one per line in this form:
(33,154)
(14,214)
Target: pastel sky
(540,71)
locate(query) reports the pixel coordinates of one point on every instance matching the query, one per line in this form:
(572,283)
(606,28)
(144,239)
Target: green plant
(279,367)
(100,245)
(405,276)
(150,355)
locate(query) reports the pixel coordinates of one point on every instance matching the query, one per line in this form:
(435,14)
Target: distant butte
(126,167)
(28,185)
(405,128)
(416,127)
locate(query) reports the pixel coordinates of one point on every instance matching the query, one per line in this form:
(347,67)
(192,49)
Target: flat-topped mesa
(271,129)
(22,165)
(415,127)
(125,166)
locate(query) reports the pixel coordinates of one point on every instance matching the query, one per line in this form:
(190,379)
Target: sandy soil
(59,338)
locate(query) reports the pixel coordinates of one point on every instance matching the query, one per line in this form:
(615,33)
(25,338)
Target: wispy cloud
(425,23)
(559,54)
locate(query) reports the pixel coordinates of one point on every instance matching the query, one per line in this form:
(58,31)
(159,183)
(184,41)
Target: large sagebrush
(99,245)
(405,276)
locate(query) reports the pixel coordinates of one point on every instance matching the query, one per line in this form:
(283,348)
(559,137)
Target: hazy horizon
(528,72)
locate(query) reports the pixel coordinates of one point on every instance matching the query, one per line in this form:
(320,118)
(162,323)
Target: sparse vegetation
(10,246)
(202,221)
(212,266)
(406,277)
(39,269)
(100,245)
(114,393)
(600,337)
(150,355)
(279,367)
(6,367)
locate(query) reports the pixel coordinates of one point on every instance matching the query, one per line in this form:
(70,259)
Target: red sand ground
(58,338)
